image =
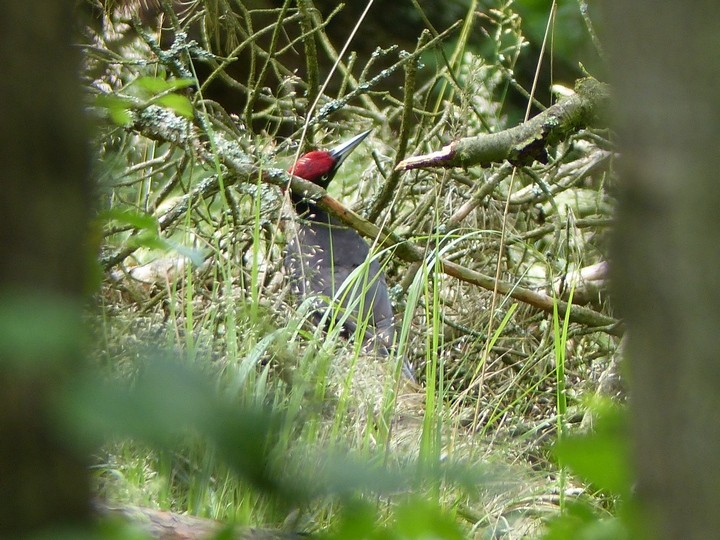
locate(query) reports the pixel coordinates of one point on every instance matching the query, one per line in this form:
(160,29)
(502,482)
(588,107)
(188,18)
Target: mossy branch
(528,142)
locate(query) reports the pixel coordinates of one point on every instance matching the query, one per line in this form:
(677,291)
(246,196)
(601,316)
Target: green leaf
(195,255)
(111,100)
(357,522)
(139,220)
(165,401)
(601,457)
(120,117)
(118,108)
(156,85)
(579,521)
(150,240)
(176,102)
(419,518)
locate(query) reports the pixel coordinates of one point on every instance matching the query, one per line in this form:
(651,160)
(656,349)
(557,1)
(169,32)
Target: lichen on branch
(527,142)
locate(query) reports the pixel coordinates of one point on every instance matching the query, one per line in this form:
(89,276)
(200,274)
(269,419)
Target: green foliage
(118,108)
(126,216)
(414,519)
(241,410)
(580,521)
(602,459)
(152,86)
(165,403)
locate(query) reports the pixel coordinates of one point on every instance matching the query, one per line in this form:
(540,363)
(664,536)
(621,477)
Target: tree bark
(666,79)
(43,269)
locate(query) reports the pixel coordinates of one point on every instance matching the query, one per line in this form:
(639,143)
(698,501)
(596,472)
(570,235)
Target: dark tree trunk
(43,269)
(665,59)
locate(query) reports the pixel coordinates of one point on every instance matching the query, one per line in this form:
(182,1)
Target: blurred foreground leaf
(38,330)
(166,402)
(416,518)
(601,457)
(581,522)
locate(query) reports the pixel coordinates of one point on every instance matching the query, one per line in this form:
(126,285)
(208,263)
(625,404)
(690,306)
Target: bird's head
(320,166)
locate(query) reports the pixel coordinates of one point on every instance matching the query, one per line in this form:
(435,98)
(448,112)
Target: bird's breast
(325,244)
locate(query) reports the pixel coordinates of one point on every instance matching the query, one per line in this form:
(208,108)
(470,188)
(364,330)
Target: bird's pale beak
(340,152)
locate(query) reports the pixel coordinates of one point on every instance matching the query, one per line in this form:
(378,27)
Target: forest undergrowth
(197,105)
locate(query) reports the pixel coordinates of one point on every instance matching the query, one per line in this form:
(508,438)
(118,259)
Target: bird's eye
(325,177)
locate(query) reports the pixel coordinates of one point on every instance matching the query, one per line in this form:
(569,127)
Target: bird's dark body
(320,258)
(324,252)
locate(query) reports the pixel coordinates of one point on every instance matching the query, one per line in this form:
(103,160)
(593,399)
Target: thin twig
(311,58)
(390,185)
(255,88)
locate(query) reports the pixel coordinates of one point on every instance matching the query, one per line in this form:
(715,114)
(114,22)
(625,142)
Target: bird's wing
(320,259)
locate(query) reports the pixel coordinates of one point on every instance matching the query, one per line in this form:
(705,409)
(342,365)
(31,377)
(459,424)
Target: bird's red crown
(313,165)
